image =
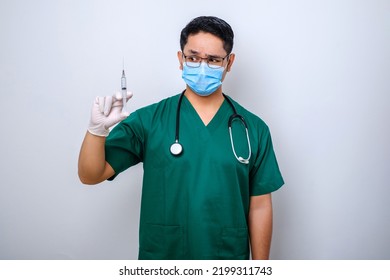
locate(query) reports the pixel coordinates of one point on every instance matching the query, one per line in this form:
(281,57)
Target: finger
(117,98)
(129,95)
(107,105)
(100,101)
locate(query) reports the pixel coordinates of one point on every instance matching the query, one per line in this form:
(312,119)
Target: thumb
(114,118)
(124,115)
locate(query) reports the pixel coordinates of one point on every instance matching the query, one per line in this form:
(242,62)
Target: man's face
(206,45)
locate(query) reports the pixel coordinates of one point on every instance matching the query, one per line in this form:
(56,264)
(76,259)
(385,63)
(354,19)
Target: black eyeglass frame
(196,64)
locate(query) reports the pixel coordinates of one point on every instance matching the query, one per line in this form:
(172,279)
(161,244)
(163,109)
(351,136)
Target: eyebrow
(209,56)
(194,52)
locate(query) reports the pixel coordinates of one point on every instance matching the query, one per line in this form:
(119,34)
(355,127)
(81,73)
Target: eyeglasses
(194,61)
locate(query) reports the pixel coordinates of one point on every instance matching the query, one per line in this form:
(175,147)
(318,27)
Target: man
(207,188)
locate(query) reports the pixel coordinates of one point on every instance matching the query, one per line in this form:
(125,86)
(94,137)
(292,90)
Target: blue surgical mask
(203,80)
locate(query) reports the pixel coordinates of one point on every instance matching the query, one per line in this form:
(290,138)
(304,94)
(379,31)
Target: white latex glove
(106,112)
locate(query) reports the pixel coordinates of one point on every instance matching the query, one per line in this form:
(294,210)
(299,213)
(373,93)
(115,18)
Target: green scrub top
(194,206)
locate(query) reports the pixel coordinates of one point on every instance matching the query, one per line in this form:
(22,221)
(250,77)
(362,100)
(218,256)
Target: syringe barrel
(123,80)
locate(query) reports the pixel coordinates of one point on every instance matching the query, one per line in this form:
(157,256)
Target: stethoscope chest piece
(176,149)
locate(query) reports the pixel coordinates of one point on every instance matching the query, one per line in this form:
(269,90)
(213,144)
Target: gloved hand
(107,111)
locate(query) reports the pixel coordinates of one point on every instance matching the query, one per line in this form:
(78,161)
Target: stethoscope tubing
(176,148)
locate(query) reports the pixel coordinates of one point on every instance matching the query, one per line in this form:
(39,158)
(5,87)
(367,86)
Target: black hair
(209,24)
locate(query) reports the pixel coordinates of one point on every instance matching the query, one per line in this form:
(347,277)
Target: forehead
(205,44)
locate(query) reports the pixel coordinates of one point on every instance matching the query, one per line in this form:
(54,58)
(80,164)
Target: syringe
(124,91)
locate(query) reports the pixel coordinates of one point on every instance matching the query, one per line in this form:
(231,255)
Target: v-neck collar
(215,121)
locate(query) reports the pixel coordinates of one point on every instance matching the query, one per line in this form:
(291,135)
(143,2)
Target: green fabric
(194,206)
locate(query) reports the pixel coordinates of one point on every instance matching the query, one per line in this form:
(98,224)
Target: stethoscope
(176,148)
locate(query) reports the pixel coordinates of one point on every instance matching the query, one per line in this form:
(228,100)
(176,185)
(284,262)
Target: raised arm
(92,165)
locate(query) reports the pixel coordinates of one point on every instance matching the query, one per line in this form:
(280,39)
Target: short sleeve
(265,176)
(124,144)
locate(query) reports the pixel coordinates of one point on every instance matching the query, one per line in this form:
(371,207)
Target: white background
(317,72)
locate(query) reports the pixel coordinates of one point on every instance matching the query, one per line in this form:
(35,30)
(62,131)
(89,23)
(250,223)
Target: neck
(205,106)
(213,100)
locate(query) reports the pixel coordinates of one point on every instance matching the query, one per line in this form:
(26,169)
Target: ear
(230,62)
(180,57)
